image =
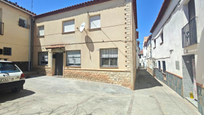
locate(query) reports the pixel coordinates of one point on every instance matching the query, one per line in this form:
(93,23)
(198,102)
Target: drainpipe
(30,37)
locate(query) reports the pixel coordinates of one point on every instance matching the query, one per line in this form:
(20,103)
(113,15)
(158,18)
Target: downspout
(30,37)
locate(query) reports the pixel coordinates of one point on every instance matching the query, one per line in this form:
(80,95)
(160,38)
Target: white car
(11,77)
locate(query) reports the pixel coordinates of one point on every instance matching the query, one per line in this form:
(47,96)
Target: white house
(177,48)
(145,52)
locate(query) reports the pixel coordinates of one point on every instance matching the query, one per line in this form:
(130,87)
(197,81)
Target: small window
(23,22)
(109,57)
(43,58)
(41,31)
(95,22)
(162,38)
(7,51)
(164,66)
(155,43)
(68,26)
(74,58)
(159,64)
(1,51)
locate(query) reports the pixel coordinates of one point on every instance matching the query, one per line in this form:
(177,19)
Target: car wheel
(15,90)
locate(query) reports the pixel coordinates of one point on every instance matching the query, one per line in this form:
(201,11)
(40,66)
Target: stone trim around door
(174,82)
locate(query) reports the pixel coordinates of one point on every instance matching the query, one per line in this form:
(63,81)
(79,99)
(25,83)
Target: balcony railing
(1,28)
(189,33)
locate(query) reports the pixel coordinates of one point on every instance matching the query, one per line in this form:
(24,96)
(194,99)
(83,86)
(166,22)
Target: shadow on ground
(9,96)
(145,80)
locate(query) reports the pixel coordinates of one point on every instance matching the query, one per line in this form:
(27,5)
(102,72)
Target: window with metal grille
(109,57)
(7,51)
(74,58)
(42,58)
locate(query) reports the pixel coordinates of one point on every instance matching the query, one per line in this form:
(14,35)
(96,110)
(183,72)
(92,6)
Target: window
(1,51)
(154,43)
(159,64)
(68,26)
(74,58)
(8,67)
(109,57)
(164,66)
(162,38)
(23,22)
(41,31)
(43,58)
(95,22)
(7,51)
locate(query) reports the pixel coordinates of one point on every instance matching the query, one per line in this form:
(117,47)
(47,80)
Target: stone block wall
(200,91)
(172,81)
(119,78)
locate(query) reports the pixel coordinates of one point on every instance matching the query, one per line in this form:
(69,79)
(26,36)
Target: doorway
(189,78)
(59,64)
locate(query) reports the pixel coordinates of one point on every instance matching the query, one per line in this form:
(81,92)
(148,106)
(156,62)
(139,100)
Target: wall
(173,81)
(15,37)
(116,32)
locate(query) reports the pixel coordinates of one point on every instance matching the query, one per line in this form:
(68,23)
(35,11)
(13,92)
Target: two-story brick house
(16,34)
(104,51)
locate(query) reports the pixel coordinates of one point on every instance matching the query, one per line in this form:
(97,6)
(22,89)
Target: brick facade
(119,78)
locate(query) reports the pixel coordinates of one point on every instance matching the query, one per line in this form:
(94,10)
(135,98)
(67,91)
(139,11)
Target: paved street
(59,96)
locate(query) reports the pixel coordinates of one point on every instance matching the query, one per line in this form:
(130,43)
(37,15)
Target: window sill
(109,68)
(95,29)
(41,36)
(68,32)
(74,66)
(24,27)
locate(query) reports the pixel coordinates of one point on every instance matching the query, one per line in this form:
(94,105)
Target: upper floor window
(7,51)
(68,26)
(95,22)
(155,43)
(23,22)
(41,31)
(109,57)
(162,38)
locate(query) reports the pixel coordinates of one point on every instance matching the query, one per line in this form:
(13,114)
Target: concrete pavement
(59,96)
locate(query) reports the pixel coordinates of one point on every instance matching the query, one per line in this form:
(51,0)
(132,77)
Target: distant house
(16,34)
(145,51)
(177,48)
(141,59)
(95,40)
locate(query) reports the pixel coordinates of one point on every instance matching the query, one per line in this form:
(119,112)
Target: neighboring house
(149,55)
(141,59)
(145,51)
(177,46)
(15,34)
(104,51)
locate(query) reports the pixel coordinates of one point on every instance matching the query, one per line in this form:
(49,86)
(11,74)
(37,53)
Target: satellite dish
(82,27)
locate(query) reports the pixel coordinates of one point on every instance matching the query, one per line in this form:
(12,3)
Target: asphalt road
(58,96)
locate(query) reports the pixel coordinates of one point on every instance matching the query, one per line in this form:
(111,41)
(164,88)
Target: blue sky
(147,11)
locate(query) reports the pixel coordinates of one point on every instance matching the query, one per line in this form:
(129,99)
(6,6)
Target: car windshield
(8,68)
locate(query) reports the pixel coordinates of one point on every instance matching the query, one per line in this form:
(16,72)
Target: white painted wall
(200,36)
(172,32)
